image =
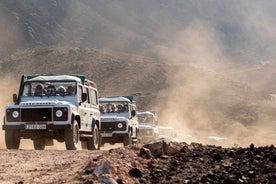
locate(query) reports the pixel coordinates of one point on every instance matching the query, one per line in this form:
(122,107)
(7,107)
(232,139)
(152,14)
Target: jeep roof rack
(128,97)
(81,77)
(90,83)
(146,112)
(114,99)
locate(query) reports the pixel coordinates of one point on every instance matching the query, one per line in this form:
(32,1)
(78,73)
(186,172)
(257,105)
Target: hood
(43,103)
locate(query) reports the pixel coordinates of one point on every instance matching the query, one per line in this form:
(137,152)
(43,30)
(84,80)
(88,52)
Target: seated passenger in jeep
(39,90)
(70,90)
(120,108)
(61,91)
(113,108)
(108,107)
(102,108)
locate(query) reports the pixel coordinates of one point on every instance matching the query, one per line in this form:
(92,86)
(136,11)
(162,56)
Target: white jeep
(118,120)
(148,130)
(48,107)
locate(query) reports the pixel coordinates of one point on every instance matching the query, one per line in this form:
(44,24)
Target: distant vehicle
(148,129)
(47,107)
(118,120)
(167,132)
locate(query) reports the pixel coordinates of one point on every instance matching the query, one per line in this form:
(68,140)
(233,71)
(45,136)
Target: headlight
(15,114)
(120,125)
(59,113)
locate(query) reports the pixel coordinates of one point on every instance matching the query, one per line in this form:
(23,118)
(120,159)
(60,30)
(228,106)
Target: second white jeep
(118,120)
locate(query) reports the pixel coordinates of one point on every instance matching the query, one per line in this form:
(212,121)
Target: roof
(49,77)
(145,113)
(114,99)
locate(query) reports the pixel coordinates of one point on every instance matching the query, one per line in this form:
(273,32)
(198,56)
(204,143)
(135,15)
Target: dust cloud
(8,86)
(204,104)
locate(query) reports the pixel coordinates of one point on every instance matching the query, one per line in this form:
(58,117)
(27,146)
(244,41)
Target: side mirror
(14,98)
(133,113)
(83,97)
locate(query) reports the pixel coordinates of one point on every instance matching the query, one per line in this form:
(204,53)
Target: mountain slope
(244,31)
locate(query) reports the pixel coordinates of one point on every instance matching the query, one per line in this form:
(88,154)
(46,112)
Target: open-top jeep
(48,107)
(148,129)
(118,120)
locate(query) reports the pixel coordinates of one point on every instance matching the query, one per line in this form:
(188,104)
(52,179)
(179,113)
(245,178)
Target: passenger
(102,108)
(109,107)
(39,90)
(61,90)
(51,90)
(113,108)
(70,90)
(120,108)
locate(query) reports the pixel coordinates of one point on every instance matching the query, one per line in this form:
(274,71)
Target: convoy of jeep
(66,108)
(118,120)
(148,130)
(48,107)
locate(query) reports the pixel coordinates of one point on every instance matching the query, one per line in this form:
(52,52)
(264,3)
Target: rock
(157,148)
(145,153)
(135,172)
(104,168)
(107,180)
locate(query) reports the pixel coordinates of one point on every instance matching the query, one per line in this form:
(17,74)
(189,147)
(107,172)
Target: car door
(83,108)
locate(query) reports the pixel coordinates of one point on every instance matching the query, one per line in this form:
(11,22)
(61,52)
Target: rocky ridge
(172,162)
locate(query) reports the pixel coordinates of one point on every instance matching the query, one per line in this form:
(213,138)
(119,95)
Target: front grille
(112,126)
(43,114)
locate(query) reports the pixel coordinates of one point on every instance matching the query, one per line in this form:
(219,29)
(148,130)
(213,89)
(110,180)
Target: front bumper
(48,127)
(113,135)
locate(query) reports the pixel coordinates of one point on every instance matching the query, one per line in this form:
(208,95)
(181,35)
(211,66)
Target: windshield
(114,107)
(145,118)
(49,88)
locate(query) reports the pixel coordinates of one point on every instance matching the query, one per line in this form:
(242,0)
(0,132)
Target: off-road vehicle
(148,130)
(168,133)
(48,107)
(118,120)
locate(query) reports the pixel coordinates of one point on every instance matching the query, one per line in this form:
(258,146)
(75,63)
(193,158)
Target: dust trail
(203,101)
(8,86)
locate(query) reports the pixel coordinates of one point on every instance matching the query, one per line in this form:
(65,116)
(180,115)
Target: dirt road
(47,166)
(53,165)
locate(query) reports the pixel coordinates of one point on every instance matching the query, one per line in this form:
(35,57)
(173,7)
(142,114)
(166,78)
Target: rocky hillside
(182,163)
(243,31)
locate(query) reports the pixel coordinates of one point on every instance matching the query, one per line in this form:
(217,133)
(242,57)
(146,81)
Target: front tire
(127,140)
(94,142)
(12,139)
(71,137)
(39,144)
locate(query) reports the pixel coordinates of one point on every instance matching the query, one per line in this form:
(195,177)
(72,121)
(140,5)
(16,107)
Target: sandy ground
(53,165)
(48,166)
